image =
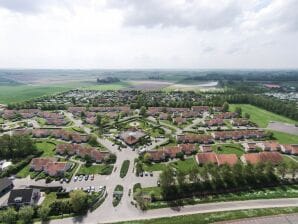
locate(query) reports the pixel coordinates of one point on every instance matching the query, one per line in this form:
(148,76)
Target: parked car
(75,178)
(92,189)
(146,174)
(61,181)
(81,177)
(141,174)
(151,174)
(87,177)
(92,177)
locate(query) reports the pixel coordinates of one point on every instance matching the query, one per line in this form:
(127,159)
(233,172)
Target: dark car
(87,177)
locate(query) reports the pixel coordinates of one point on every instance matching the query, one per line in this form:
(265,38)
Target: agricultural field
(19,93)
(112,86)
(259,116)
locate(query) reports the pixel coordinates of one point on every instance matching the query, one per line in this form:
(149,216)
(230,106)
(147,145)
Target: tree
(167,181)
(98,120)
(78,200)
(93,140)
(43,212)
(143,111)
(26,214)
(238,110)
(147,158)
(9,216)
(282,169)
(293,168)
(225,107)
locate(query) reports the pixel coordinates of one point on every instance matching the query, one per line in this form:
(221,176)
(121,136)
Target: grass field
(212,217)
(285,138)
(113,86)
(96,169)
(184,165)
(259,116)
(18,93)
(47,147)
(229,149)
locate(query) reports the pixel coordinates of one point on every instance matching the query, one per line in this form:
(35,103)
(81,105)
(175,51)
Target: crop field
(19,93)
(112,86)
(259,116)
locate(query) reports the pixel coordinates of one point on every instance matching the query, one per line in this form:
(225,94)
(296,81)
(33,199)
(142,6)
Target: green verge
(212,217)
(124,168)
(259,116)
(266,193)
(101,169)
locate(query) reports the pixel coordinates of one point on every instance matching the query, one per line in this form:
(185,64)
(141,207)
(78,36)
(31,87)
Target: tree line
(211,179)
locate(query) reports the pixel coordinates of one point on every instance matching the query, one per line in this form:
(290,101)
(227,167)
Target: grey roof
(5,183)
(25,194)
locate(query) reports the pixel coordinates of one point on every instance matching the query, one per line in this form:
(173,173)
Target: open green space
(285,138)
(229,149)
(19,93)
(47,147)
(96,169)
(154,167)
(184,165)
(206,218)
(112,86)
(290,191)
(259,116)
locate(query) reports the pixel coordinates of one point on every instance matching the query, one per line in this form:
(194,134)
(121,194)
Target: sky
(176,34)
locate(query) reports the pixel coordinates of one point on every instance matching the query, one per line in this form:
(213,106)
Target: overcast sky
(149,34)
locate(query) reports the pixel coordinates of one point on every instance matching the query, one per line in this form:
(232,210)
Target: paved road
(127,212)
(278,219)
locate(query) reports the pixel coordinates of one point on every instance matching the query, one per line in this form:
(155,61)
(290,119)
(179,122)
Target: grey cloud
(151,13)
(29,6)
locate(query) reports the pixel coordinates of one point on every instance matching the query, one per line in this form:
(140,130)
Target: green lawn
(154,167)
(206,218)
(184,165)
(18,93)
(229,149)
(47,147)
(96,169)
(49,199)
(285,138)
(23,172)
(259,116)
(112,86)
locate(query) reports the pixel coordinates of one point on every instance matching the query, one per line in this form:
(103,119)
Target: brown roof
(156,155)
(206,157)
(254,158)
(38,164)
(54,168)
(229,159)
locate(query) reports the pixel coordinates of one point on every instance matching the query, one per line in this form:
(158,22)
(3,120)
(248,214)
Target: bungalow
(179,120)
(290,149)
(200,109)
(262,157)
(270,146)
(172,151)
(226,115)
(218,159)
(163,116)
(240,122)
(188,149)
(206,148)
(156,155)
(214,122)
(39,164)
(57,168)
(21,197)
(250,146)
(195,138)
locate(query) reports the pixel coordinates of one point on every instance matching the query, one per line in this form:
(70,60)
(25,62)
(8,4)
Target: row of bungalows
(82,151)
(237,135)
(53,118)
(171,152)
(214,122)
(60,134)
(50,166)
(231,159)
(272,146)
(262,157)
(218,159)
(195,138)
(165,112)
(23,113)
(240,122)
(226,115)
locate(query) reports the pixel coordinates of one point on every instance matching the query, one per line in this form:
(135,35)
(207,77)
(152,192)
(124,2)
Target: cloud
(203,14)
(30,6)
